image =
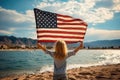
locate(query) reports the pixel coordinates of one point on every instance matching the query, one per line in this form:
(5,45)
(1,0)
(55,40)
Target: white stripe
(66,30)
(65,39)
(60,34)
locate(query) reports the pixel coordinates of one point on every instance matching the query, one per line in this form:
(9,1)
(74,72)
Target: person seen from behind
(59,56)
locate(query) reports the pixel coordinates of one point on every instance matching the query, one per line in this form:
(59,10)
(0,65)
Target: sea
(36,61)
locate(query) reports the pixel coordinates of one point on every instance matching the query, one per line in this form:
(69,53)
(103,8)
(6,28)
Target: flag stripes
(66,27)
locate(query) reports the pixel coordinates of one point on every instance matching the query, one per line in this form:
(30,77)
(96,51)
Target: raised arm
(78,48)
(41,47)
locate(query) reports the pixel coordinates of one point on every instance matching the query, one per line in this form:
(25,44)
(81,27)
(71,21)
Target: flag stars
(46,19)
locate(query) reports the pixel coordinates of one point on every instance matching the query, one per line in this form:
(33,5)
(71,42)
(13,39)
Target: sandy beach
(104,72)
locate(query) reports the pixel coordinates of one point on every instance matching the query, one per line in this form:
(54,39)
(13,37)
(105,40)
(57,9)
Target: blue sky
(102,16)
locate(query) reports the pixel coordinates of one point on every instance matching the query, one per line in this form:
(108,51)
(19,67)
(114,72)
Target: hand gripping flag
(52,27)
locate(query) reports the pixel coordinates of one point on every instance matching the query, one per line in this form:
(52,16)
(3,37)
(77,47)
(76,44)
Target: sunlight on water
(86,58)
(35,61)
(111,57)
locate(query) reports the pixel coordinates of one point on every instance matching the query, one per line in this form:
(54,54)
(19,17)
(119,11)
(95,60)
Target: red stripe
(46,31)
(56,40)
(71,28)
(52,36)
(66,16)
(59,19)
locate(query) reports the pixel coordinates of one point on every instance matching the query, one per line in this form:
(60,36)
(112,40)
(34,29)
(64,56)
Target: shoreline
(50,49)
(100,72)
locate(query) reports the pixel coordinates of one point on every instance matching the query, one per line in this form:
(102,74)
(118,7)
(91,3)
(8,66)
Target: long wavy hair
(60,50)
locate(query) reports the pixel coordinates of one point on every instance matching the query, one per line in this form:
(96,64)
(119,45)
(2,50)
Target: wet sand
(104,72)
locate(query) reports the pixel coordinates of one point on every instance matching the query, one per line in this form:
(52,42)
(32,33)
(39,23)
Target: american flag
(52,27)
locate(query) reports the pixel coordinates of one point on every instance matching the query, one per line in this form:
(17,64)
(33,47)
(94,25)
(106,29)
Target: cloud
(100,34)
(12,21)
(15,17)
(5,32)
(99,15)
(116,6)
(83,9)
(23,24)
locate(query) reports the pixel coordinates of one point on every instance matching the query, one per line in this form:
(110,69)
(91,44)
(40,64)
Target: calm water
(35,61)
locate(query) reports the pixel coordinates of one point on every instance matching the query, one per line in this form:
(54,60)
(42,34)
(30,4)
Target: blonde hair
(60,50)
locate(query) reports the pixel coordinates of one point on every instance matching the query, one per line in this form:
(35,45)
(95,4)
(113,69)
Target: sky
(102,16)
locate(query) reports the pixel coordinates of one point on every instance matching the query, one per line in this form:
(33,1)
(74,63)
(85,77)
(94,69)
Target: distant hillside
(104,43)
(12,41)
